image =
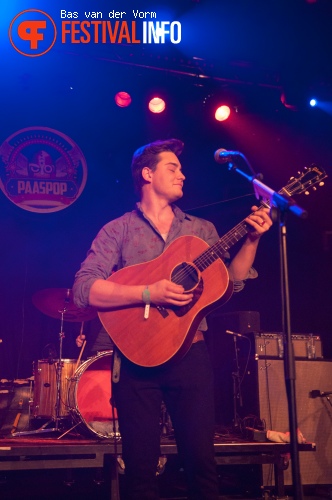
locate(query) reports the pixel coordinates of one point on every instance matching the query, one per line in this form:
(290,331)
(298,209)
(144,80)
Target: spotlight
(122,99)
(222,113)
(313,103)
(157,105)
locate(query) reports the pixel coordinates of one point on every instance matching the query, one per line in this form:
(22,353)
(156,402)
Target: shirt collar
(179,214)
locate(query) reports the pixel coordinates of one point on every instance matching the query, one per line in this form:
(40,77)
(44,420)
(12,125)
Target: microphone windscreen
(217,155)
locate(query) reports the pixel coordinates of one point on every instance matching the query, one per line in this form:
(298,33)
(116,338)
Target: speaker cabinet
(314,415)
(263,391)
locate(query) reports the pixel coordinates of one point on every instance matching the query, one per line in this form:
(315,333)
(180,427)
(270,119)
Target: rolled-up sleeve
(100,261)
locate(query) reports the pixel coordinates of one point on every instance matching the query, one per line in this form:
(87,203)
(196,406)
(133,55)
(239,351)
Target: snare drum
(45,388)
(89,396)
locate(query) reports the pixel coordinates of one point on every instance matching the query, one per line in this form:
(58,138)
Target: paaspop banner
(41,169)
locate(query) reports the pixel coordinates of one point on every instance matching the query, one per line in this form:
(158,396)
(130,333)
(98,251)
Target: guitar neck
(312,175)
(219,249)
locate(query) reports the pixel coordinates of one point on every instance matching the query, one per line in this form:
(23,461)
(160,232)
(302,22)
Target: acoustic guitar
(168,332)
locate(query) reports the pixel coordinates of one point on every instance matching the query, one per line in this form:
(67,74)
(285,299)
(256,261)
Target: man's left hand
(260,222)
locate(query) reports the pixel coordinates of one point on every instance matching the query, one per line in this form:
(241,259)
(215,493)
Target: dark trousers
(186,387)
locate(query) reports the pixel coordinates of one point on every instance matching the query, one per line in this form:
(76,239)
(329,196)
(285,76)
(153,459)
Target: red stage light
(122,99)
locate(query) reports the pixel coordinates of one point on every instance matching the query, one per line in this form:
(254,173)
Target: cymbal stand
(165,425)
(57,419)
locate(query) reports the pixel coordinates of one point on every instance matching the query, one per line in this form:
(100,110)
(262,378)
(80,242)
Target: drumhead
(89,396)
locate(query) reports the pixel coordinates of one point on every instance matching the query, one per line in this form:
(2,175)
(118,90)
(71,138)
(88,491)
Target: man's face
(167,179)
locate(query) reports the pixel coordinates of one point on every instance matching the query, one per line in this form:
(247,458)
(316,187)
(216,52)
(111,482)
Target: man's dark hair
(148,156)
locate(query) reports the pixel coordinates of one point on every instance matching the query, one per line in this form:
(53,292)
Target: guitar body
(168,333)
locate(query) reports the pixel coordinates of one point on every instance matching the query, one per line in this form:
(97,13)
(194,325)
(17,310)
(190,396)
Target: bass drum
(89,395)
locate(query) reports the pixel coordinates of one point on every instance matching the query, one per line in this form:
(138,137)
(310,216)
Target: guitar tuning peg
(299,172)
(314,188)
(321,183)
(307,193)
(291,178)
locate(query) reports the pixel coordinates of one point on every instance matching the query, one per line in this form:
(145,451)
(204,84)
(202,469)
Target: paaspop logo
(41,169)
(32,33)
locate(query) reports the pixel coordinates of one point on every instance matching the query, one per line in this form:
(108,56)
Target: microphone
(235,334)
(224,156)
(319,394)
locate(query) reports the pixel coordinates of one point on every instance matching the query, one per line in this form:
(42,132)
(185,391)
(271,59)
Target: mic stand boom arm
(283,205)
(276,199)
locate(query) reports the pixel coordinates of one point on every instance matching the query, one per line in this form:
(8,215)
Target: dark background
(250,53)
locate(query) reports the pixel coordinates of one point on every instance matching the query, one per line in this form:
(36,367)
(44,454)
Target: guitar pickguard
(181,311)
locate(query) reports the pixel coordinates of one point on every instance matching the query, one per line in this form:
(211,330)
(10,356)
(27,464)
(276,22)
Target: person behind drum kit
(185,385)
(96,340)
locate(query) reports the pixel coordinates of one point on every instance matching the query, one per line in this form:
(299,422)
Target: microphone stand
(237,395)
(282,206)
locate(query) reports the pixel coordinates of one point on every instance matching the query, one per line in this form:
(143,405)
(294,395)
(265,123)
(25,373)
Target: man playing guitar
(154,308)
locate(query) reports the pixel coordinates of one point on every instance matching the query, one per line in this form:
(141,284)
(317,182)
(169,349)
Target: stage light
(313,103)
(222,113)
(122,99)
(157,105)
(290,99)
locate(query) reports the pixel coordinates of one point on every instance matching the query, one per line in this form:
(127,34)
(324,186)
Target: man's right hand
(165,292)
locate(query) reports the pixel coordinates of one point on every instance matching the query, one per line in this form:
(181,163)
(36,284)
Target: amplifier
(271,345)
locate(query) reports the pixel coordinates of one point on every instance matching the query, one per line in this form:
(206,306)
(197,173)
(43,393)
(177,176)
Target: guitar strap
(116,366)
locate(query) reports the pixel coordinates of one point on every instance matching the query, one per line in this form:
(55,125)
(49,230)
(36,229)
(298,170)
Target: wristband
(146,296)
(147,300)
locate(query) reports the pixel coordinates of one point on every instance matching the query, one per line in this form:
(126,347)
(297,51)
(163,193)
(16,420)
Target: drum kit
(65,388)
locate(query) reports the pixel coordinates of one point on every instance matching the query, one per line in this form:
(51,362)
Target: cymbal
(57,301)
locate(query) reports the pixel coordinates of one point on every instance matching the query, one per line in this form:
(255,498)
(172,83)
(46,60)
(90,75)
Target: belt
(198,336)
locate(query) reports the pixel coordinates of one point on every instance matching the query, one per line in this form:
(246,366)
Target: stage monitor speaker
(314,415)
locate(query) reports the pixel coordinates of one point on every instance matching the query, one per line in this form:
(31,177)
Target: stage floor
(76,467)
(79,464)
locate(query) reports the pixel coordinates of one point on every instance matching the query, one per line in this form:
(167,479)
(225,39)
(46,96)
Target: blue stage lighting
(313,102)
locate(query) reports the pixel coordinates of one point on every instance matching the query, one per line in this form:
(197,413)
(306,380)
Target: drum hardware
(58,304)
(165,421)
(15,404)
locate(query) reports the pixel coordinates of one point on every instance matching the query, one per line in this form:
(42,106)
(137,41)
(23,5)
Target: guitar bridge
(163,311)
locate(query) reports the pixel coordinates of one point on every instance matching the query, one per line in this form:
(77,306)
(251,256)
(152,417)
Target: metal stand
(237,395)
(165,425)
(282,205)
(289,363)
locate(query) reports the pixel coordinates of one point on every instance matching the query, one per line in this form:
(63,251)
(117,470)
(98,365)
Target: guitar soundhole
(186,275)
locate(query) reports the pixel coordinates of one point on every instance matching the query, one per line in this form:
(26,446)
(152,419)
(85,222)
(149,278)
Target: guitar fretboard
(219,249)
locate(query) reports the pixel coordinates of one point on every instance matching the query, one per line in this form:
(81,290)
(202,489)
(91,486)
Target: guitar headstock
(309,178)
